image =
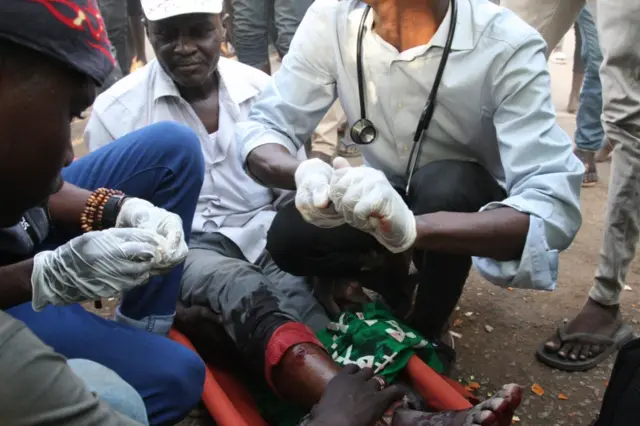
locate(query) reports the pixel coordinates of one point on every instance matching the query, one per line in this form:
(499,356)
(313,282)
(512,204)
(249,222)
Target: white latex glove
(312,194)
(141,214)
(368,202)
(96,264)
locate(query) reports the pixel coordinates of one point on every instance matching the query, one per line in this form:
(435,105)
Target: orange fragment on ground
(510,288)
(562,396)
(537,389)
(457,322)
(474,385)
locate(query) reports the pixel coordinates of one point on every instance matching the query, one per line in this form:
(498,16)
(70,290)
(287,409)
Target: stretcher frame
(230,404)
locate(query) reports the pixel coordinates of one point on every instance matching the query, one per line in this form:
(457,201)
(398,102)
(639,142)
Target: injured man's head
(52,56)
(186,37)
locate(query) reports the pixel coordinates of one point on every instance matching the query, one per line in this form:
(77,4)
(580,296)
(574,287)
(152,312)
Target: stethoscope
(363,132)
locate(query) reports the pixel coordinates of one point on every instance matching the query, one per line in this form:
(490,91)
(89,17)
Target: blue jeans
(110,388)
(161,163)
(589,132)
(255,20)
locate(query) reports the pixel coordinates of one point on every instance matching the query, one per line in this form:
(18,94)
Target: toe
(484,418)
(584,352)
(575,351)
(553,344)
(565,350)
(595,350)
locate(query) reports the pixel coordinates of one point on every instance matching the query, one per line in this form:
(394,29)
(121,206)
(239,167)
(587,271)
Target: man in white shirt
(494,183)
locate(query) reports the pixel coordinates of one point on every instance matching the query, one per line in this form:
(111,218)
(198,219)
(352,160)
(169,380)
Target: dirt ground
(520,320)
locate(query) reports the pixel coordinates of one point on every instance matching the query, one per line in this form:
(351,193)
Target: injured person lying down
(270,317)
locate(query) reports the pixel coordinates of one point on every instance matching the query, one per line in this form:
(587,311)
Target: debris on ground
(537,389)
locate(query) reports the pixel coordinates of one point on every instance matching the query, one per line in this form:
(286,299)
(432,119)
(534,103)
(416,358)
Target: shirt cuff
(537,269)
(252,142)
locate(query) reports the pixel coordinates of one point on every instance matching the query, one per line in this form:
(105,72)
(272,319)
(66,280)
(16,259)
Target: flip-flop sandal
(622,336)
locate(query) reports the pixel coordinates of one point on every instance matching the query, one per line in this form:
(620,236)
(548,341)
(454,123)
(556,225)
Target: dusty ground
(521,319)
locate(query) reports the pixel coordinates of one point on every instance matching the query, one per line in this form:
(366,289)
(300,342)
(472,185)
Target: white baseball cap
(156,10)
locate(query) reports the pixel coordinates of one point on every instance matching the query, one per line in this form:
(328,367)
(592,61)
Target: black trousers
(621,403)
(300,248)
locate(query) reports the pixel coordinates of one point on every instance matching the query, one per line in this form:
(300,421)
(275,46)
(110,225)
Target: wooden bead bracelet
(93,215)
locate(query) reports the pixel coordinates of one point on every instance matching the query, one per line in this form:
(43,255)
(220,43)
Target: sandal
(621,337)
(588,158)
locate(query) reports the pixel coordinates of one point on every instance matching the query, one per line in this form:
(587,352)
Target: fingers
(140,252)
(365,374)
(349,370)
(340,163)
(320,197)
(390,395)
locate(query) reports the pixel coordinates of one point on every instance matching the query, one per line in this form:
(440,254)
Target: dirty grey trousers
(246,295)
(619,33)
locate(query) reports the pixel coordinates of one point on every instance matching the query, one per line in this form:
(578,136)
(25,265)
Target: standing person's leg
(287,15)
(589,132)
(552,18)
(443,275)
(110,388)
(168,376)
(163,164)
(114,13)
(251,33)
(597,330)
(578,71)
(137,33)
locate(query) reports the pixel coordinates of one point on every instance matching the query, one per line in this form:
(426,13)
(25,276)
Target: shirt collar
(238,90)
(463,39)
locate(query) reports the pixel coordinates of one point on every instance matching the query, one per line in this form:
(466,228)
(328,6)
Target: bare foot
(594,318)
(591,172)
(496,411)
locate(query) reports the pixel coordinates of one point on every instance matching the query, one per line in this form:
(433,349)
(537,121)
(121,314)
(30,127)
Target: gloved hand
(141,214)
(96,264)
(368,202)
(353,398)
(312,194)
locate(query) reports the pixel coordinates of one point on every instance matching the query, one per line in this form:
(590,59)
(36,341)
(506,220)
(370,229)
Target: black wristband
(111,211)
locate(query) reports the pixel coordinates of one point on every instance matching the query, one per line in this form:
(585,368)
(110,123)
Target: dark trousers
(300,248)
(621,403)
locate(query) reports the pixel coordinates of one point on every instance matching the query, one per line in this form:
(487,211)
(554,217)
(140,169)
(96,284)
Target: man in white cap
(264,310)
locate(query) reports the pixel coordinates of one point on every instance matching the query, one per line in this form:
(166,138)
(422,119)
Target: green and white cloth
(371,338)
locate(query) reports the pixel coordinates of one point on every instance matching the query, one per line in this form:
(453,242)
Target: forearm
(273,166)
(66,206)
(498,234)
(16,283)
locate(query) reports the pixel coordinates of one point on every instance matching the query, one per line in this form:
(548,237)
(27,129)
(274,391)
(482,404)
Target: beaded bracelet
(92,215)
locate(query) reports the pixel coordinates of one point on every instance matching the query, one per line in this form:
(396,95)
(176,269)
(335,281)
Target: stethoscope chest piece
(363,132)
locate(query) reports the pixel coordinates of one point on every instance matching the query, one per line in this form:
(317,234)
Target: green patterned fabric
(371,338)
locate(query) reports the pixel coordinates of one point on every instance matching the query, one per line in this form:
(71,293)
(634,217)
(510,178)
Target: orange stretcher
(230,404)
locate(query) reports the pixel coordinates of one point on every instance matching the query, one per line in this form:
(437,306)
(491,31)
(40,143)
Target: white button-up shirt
(230,201)
(493,107)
